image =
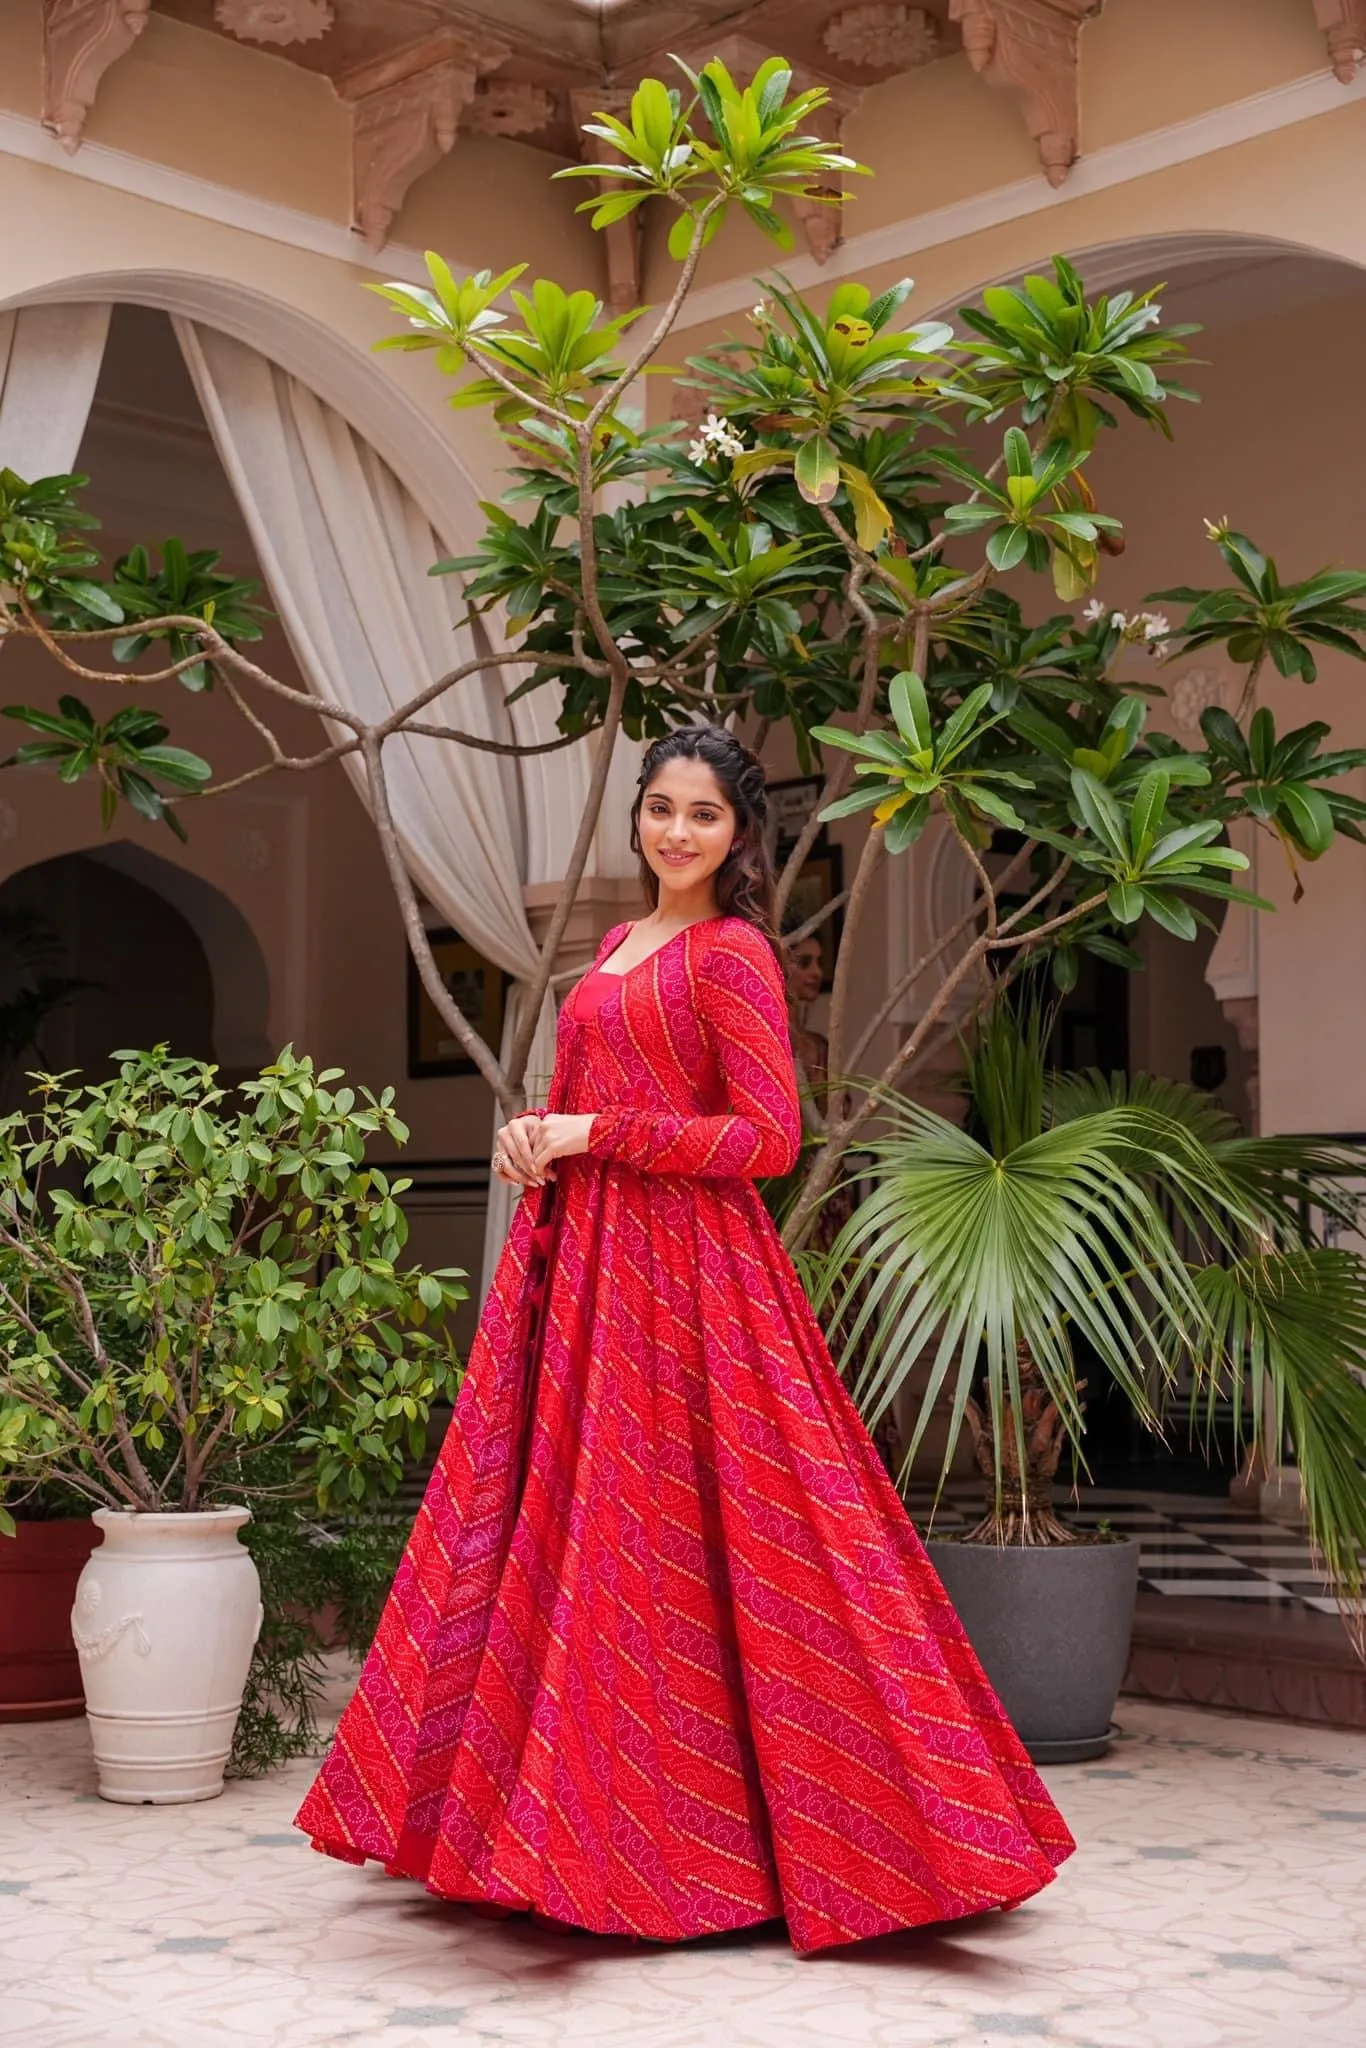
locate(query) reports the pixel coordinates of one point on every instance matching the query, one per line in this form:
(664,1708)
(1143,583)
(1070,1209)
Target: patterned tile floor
(1192,1546)
(1218,1898)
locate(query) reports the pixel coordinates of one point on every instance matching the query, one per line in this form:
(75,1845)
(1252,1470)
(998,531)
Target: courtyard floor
(1218,1896)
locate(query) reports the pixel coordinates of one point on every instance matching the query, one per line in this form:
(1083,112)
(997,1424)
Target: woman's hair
(744,880)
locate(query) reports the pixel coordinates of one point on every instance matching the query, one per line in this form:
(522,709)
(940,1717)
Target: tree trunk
(1024,1514)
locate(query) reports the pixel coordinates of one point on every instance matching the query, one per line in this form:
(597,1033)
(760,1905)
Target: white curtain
(346,550)
(50,360)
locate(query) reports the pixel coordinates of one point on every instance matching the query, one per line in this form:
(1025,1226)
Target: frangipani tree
(818,554)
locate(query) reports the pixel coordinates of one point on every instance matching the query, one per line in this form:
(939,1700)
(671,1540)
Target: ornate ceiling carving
(280,22)
(406,110)
(1344,25)
(81,39)
(881,38)
(1033,46)
(511,106)
(417,72)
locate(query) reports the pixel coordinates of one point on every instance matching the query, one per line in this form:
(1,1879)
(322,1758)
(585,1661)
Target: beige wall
(1283,454)
(247,121)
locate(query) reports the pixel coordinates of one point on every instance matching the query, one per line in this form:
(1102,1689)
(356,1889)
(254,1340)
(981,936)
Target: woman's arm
(744,1013)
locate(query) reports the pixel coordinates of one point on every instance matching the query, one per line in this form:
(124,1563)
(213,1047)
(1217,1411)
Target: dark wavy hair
(744,880)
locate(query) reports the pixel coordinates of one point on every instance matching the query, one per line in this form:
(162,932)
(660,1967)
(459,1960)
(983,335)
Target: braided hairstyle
(744,881)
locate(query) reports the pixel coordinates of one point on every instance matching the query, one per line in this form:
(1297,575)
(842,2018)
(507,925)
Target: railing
(440,1187)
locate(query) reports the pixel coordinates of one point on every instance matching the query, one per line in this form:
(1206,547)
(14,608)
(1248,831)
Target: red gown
(664,1654)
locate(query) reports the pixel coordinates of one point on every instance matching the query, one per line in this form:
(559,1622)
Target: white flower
(716,436)
(1119,622)
(1156,625)
(1094,610)
(1157,648)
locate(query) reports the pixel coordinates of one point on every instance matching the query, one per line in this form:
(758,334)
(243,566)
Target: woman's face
(686,825)
(806,970)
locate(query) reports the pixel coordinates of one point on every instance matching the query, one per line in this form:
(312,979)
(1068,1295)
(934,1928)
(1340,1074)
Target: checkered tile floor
(1193,1546)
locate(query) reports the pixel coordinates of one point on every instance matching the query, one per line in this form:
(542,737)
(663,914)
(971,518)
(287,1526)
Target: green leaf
(1007,547)
(1101,814)
(1169,911)
(910,708)
(1125,901)
(1145,819)
(1309,818)
(905,826)
(817,469)
(681,236)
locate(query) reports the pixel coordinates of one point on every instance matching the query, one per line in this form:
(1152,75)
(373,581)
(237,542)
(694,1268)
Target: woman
(805,973)
(664,1654)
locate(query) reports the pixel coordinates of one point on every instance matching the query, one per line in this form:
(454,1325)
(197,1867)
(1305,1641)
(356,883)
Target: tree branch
(927,960)
(418,942)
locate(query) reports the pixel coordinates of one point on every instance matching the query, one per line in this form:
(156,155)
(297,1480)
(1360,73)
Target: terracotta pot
(40,1673)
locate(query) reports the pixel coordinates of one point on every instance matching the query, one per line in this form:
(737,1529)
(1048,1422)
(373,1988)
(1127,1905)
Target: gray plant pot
(1051,1627)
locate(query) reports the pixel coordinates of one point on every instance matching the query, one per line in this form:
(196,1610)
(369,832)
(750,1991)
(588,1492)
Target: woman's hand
(558,1137)
(513,1158)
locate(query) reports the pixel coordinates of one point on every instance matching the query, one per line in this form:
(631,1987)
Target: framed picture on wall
(480,989)
(821,877)
(790,804)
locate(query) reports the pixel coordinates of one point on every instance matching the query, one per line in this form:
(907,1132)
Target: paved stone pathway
(1218,1897)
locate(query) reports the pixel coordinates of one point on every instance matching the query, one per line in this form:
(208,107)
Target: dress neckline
(681,933)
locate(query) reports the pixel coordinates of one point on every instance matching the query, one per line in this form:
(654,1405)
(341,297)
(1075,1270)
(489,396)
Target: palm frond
(1289,1332)
(962,1255)
(1269,1186)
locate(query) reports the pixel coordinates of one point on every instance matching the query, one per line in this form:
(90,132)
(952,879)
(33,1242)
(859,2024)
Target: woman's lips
(678,860)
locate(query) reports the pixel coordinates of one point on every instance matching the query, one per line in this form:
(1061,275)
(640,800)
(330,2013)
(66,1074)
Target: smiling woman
(665,1655)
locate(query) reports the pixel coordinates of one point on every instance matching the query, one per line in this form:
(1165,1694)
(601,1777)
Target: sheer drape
(346,551)
(50,360)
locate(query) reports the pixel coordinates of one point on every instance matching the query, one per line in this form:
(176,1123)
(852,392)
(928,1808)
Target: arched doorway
(113,948)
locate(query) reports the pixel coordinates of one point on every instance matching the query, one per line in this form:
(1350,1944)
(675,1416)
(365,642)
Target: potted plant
(51,1536)
(988,1252)
(192,1284)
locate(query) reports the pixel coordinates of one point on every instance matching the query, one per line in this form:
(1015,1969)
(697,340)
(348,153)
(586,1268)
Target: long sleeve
(744,1014)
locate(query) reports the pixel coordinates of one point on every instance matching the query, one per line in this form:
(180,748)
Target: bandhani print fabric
(664,1655)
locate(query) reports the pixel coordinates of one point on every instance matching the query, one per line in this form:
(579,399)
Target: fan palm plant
(1131,1215)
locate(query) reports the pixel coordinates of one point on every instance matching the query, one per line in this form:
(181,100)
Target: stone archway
(1246,1004)
(443,483)
(159,955)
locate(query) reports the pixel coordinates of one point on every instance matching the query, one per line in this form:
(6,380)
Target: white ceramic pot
(166,1614)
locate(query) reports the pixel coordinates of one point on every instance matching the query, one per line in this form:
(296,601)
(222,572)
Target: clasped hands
(525,1149)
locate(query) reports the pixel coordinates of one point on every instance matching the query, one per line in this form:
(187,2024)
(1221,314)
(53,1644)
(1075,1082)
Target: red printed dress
(664,1654)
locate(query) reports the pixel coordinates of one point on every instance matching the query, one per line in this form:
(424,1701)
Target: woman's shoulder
(735,939)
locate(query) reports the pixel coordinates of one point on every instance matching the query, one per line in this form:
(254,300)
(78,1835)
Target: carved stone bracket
(1032,47)
(822,223)
(1344,26)
(621,241)
(81,39)
(406,110)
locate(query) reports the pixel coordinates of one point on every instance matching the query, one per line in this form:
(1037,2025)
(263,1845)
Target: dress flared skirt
(665,1655)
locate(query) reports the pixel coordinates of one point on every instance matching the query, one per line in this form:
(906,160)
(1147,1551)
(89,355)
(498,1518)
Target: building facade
(192,196)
